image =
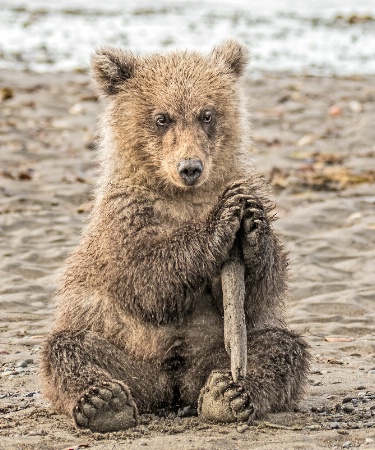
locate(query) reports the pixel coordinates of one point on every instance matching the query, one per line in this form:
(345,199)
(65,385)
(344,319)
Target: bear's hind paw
(222,400)
(109,407)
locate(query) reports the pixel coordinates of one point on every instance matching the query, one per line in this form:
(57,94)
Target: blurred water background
(315,36)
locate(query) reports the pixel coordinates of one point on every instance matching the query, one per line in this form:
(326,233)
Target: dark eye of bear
(207,117)
(161,120)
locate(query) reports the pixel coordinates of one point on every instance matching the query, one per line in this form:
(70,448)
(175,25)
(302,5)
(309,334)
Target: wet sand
(315,139)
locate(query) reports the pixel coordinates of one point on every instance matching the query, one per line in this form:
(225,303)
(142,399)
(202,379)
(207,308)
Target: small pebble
(334,425)
(31,394)
(242,428)
(348,399)
(37,433)
(371,372)
(369,424)
(334,111)
(348,408)
(347,444)
(22,363)
(6,373)
(3,351)
(369,441)
(9,373)
(355,106)
(305,140)
(77,109)
(187,411)
(361,388)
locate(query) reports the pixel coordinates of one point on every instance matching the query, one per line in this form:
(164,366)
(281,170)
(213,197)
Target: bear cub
(139,323)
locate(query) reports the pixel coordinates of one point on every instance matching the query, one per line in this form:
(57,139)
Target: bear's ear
(233,54)
(110,68)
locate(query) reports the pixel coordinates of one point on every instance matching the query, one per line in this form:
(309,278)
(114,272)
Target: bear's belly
(171,343)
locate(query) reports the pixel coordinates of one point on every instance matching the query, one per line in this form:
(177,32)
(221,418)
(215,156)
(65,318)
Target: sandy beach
(314,138)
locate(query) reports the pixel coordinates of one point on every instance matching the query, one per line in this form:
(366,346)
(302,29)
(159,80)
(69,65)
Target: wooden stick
(235,337)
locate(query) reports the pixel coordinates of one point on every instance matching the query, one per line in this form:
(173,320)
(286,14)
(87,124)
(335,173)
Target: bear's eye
(161,120)
(207,117)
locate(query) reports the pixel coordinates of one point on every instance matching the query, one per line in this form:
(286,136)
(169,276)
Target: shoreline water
(318,38)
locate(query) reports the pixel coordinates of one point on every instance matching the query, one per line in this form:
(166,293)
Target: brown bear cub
(139,323)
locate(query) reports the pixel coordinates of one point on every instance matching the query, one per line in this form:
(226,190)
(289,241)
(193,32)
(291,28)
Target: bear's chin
(187,187)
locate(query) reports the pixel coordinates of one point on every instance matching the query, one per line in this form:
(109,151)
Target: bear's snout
(190,170)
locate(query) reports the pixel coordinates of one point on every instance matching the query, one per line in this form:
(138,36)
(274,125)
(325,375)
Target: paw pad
(224,401)
(106,408)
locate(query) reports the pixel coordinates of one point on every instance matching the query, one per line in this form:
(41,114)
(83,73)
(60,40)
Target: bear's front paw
(222,400)
(108,407)
(226,217)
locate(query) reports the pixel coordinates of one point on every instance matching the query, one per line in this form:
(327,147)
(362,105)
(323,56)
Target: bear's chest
(181,210)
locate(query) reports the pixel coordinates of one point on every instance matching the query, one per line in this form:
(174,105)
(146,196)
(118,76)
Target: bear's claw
(254,217)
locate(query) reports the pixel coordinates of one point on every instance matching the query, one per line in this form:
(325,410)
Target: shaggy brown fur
(140,314)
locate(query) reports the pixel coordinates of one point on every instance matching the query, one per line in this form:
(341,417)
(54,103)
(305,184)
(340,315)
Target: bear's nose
(190,170)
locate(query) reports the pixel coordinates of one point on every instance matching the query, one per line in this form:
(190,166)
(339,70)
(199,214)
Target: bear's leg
(87,377)
(278,363)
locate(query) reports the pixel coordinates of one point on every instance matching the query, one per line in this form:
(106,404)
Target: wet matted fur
(139,322)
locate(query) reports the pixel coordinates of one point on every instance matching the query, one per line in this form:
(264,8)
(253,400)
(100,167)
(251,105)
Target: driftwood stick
(235,336)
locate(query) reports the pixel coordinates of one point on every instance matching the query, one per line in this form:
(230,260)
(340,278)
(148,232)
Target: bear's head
(175,119)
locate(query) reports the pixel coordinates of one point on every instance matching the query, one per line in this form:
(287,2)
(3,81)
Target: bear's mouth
(190,171)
